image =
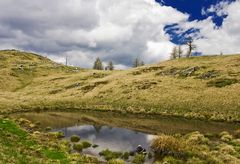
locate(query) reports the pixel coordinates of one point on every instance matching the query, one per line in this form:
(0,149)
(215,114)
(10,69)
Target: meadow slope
(206,87)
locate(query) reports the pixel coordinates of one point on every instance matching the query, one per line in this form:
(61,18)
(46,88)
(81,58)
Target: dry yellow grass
(199,87)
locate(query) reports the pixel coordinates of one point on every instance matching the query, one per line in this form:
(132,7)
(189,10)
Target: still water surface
(115,139)
(122,132)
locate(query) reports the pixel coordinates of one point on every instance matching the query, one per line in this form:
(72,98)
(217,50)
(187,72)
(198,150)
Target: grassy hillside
(199,87)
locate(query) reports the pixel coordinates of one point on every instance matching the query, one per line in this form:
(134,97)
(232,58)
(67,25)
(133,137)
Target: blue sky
(119,31)
(194,8)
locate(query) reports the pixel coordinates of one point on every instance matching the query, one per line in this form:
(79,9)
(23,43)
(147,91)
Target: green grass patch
(109,155)
(19,146)
(54,154)
(86,144)
(75,138)
(138,159)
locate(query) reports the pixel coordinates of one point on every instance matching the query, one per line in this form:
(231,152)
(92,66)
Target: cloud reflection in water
(115,139)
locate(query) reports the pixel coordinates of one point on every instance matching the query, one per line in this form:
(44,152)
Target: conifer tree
(98,64)
(110,66)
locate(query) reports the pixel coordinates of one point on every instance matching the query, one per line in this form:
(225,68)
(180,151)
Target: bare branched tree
(136,63)
(191,47)
(180,52)
(174,53)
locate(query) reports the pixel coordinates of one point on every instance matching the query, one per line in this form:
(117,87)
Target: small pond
(114,139)
(121,132)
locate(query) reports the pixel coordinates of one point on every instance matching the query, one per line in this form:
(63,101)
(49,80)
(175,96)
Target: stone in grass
(75,138)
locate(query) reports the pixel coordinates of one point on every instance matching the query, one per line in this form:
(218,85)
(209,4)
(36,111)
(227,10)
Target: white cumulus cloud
(86,29)
(112,30)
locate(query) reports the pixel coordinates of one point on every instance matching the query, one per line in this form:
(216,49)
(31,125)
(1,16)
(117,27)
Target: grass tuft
(75,138)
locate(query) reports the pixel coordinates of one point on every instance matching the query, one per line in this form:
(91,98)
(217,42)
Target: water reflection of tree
(97,128)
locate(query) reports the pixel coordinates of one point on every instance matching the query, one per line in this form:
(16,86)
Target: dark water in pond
(122,132)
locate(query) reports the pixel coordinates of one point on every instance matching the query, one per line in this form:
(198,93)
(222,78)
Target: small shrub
(237,133)
(222,82)
(126,155)
(60,135)
(78,147)
(57,134)
(196,138)
(48,128)
(108,155)
(75,138)
(86,144)
(195,160)
(172,160)
(223,133)
(150,155)
(116,161)
(167,145)
(236,142)
(138,159)
(225,137)
(226,149)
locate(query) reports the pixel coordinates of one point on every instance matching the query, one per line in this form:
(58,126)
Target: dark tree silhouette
(138,63)
(110,66)
(180,52)
(98,64)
